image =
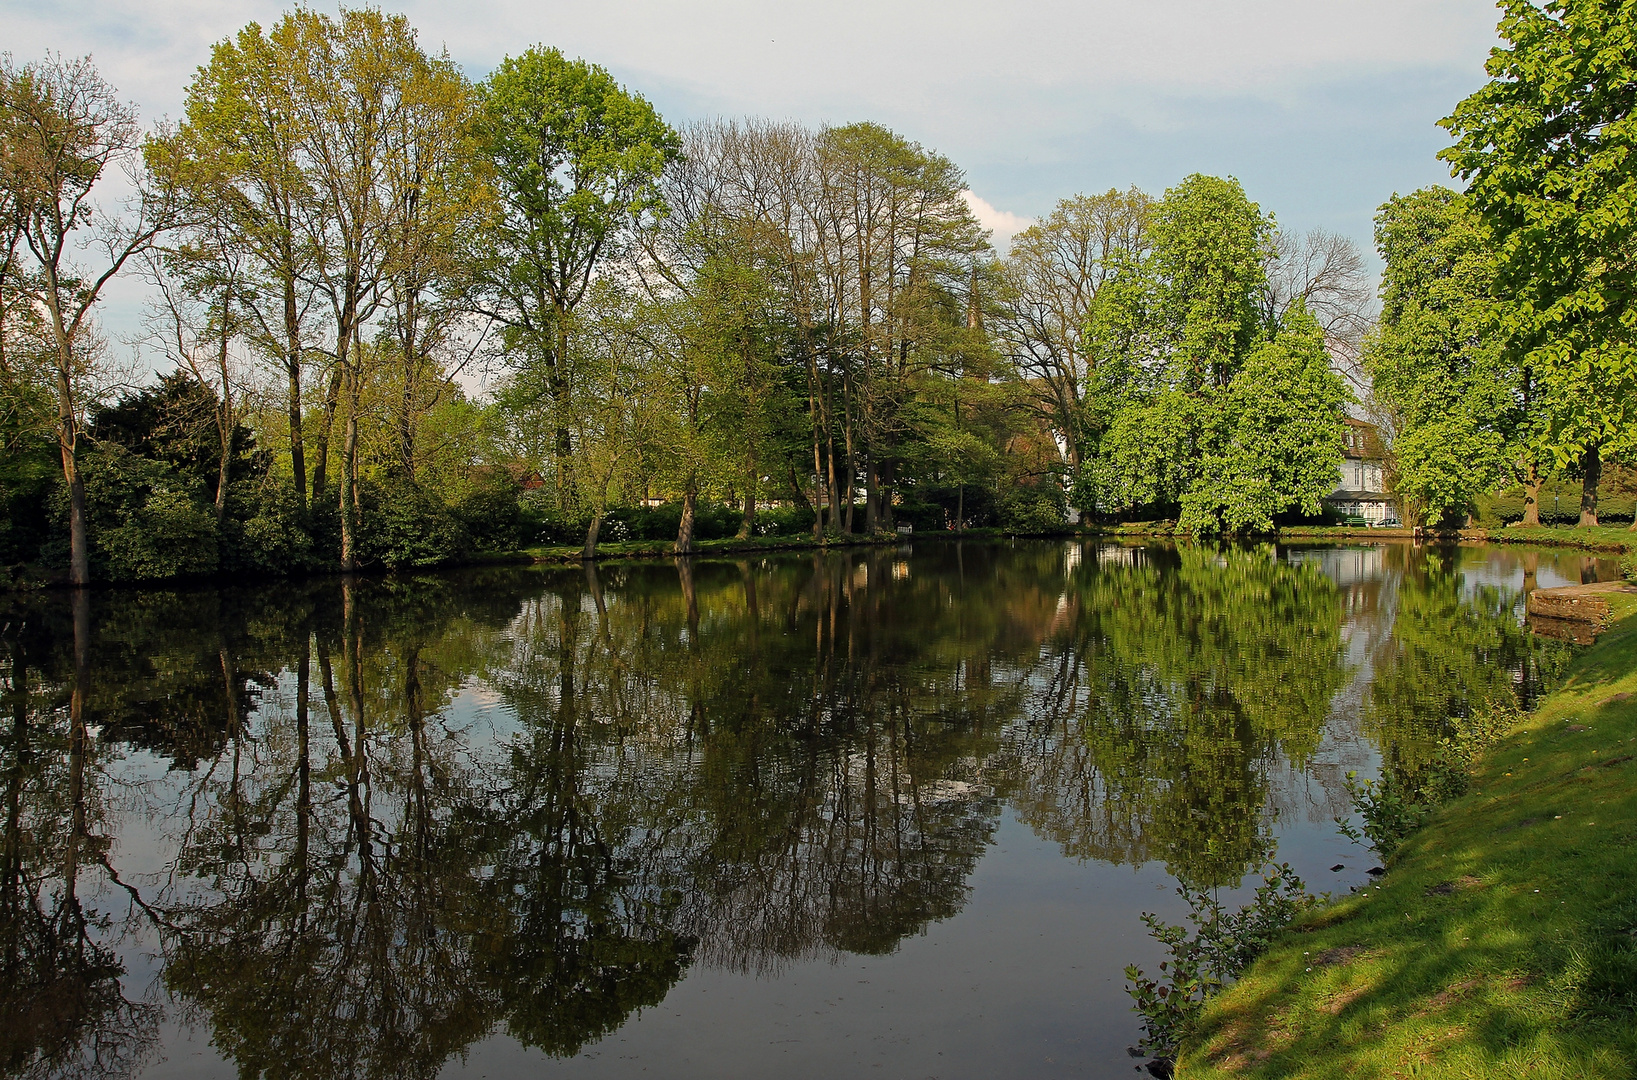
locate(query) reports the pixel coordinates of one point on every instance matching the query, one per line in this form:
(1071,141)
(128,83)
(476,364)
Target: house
(1361,490)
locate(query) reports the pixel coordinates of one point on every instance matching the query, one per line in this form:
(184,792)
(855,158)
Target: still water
(883,812)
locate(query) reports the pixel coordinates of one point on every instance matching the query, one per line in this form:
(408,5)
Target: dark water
(882,812)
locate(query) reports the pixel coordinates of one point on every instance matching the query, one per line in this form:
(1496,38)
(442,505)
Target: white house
(1361,490)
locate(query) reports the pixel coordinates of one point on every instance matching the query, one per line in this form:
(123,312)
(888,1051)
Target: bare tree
(1327,272)
(1051,279)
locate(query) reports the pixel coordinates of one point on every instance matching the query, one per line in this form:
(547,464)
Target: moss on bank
(1501,942)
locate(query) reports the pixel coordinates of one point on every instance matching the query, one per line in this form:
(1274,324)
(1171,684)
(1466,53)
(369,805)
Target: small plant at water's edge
(1221,945)
(1398,803)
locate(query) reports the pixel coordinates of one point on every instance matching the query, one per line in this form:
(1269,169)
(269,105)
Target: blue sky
(1322,108)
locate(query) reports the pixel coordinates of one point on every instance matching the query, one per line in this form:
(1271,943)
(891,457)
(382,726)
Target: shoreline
(1502,939)
(1615,540)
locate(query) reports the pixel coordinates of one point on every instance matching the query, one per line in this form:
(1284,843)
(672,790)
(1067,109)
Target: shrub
(1222,945)
(491,515)
(169,535)
(1034,508)
(784,521)
(404,526)
(265,533)
(145,520)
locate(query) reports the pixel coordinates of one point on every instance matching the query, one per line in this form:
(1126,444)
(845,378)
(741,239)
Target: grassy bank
(1502,941)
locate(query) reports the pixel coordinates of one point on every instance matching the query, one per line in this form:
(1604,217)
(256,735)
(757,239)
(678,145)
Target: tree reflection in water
(398,816)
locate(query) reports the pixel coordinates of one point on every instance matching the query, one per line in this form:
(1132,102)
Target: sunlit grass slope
(1502,942)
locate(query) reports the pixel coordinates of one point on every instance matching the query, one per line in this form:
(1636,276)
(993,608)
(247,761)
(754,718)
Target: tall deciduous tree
(577,161)
(64,129)
(1273,440)
(1170,334)
(1052,277)
(1548,149)
(239,156)
(1436,365)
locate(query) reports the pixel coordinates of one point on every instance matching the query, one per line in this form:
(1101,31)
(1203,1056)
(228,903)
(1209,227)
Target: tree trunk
(1531,494)
(747,524)
(591,531)
(852,482)
(834,524)
(872,518)
(1591,464)
(292,368)
(349,478)
(224,420)
(321,445)
(684,529)
(960,508)
(884,482)
(79,555)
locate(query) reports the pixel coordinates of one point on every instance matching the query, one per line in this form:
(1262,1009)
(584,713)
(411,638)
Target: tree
(64,130)
(1546,149)
(1274,440)
(195,320)
(1052,278)
(577,160)
(1436,366)
(238,157)
(897,241)
(1327,273)
(1169,334)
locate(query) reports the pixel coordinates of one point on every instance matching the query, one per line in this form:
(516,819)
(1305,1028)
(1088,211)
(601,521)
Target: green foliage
(147,521)
(1275,441)
(1405,796)
(29,472)
(406,527)
(1033,508)
(1546,148)
(490,513)
(1220,947)
(1435,359)
(1210,244)
(1202,409)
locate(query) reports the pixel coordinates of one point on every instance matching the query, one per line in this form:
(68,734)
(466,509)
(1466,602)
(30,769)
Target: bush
(1035,508)
(265,532)
(784,521)
(145,520)
(1221,947)
(169,535)
(491,515)
(404,526)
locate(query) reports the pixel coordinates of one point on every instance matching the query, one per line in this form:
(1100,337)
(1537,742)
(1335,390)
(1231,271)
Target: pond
(884,811)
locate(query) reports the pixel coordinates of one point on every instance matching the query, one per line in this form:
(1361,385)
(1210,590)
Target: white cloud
(1003,224)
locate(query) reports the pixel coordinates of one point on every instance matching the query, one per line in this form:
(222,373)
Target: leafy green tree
(1435,359)
(237,160)
(1210,248)
(1546,148)
(1201,406)
(1275,441)
(577,160)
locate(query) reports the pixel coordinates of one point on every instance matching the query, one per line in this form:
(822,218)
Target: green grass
(1602,538)
(1502,942)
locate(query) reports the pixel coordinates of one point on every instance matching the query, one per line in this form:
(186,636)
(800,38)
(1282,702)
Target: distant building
(1361,490)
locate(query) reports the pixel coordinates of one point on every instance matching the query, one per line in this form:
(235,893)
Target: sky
(1321,108)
